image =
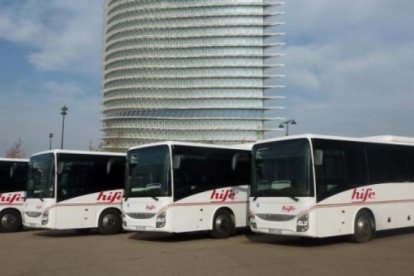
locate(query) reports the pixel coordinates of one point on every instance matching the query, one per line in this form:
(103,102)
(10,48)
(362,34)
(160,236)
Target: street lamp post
(64,112)
(50,140)
(287,123)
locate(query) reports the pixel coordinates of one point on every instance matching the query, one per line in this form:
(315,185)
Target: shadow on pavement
(315,242)
(66,233)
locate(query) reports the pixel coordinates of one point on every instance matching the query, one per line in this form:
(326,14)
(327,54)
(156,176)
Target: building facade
(188,70)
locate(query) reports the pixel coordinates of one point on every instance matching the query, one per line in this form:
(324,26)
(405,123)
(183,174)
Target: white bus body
(184,187)
(322,186)
(75,190)
(13,177)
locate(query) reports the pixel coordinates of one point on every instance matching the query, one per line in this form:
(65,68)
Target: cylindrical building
(187,70)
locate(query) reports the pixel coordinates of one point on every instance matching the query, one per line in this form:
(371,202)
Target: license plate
(275,231)
(140,228)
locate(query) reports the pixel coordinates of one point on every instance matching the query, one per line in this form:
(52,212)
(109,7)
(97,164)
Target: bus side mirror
(109,165)
(60,167)
(237,158)
(12,170)
(234,161)
(318,157)
(177,162)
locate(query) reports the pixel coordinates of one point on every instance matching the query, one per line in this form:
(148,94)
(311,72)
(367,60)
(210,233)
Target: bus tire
(223,224)
(110,222)
(364,227)
(10,221)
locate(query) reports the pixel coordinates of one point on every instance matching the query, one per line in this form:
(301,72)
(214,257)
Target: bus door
(73,210)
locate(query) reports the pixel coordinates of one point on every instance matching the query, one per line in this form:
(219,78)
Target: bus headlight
(161,220)
(45,218)
(252,220)
(124,223)
(302,224)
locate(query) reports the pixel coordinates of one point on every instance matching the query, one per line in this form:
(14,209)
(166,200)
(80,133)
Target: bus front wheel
(364,227)
(223,224)
(110,222)
(10,221)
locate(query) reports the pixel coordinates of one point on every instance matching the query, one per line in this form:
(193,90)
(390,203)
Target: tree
(16,150)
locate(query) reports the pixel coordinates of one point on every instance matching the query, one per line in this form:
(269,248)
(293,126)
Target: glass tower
(188,70)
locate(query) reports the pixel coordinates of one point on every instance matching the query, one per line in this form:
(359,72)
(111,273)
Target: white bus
(75,190)
(322,186)
(179,187)
(13,177)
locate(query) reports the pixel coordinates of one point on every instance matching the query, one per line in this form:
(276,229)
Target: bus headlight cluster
(302,224)
(161,220)
(45,218)
(124,223)
(252,220)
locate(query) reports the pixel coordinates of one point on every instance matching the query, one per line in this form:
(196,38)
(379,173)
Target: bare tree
(16,150)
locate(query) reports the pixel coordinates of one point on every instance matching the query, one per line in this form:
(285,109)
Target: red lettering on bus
(150,207)
(109,197)
(288,209)
(361,195)
(223,195)
(10,198)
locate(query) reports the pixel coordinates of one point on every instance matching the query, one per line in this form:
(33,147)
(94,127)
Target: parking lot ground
(45,252)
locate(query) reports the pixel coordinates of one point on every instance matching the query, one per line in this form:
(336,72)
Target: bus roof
(383,139)
(14,159)
(203,145)
(55,151)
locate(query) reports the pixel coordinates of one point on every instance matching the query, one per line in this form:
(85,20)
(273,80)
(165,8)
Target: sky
(349,70)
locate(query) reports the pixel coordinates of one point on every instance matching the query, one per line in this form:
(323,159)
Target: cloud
(65,88)
(61,35)
(349,66)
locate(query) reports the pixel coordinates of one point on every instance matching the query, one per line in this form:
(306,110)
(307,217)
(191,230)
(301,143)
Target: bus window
(342,167)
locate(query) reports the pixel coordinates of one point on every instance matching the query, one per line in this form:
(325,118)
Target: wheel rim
(363,226)
(8,221)
(223,224)
(109,221)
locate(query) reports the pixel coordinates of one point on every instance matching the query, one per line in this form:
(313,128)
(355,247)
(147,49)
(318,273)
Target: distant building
(188,70)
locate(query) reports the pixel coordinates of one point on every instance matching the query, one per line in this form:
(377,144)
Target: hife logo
(150,207)
(109,197)
(362,195)
(10,198)
(288,208)
(222,195)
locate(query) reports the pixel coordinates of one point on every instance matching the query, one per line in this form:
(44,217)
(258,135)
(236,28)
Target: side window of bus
(189,178)
(204,169)
(241,169)
(115,177)
(387,163)
(410,163)
(343,166)
(13,177)
(332,173)
(74,179)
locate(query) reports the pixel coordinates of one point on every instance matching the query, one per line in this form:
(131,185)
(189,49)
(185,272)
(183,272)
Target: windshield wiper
(154,197)
(256,196)
(294,198)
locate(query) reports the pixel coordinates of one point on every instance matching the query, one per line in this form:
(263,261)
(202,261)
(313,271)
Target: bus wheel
(223,224)
(364,228)
(110,222)
(10,221)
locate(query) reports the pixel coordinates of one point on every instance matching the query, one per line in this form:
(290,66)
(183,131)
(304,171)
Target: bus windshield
(41,177)
(148,172)
(282,169)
